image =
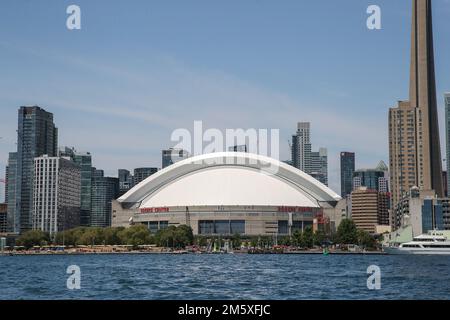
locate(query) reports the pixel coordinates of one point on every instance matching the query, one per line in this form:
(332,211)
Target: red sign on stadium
(154,210)
(295,209)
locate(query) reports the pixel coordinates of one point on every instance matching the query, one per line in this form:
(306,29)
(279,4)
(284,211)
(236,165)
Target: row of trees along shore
(182,236)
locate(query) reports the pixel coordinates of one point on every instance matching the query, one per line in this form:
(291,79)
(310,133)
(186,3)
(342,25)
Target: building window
(206,227)
(237,227)
(222,227)
(154,226)
(283,227)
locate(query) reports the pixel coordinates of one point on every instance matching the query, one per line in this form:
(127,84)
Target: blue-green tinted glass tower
(347,171)
(36,136)
(104,191)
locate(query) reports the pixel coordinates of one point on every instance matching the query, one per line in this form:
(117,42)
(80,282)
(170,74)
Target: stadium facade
(227,193)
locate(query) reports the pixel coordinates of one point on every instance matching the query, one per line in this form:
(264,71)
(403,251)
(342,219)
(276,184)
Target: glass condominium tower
(104,191)
(36,136)
(301,147)
(347,161)
(84,161)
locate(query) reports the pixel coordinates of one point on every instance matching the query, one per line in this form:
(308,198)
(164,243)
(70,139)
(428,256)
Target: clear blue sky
(137,70)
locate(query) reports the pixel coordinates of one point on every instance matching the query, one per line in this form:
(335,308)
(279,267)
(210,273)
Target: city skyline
(209,84)
(198,151)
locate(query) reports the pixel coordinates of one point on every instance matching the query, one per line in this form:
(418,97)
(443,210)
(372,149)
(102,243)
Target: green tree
(33,238)
(63,238)
(297,239)
(308,237)
(165,237)
(183,236)
(78,233)
(201,241)
(236,241)
(135,235)
(175,237)
(319,237)
(284,241)
(347,232)
(365,239)
(70,237)
(111,235)
(254,241)
(88,237)
(265,241)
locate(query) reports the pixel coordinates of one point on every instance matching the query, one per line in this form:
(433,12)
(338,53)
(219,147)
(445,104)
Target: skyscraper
(56,194)
(3,218)
(125,181)
(171,156)
(6,183)
(140,174)
(447,136)
(104,190)
(402,149)
(314,163)
(301,147)
(369,208)
(13,223)
(84,161)
(347,170)
(37,135)
(414,148)
(319,165)
(373,179)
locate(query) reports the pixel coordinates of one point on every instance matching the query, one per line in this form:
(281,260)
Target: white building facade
(56,194)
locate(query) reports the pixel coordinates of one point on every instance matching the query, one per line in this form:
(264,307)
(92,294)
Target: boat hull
(437,251)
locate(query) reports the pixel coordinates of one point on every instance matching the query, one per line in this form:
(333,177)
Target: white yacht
(431,243)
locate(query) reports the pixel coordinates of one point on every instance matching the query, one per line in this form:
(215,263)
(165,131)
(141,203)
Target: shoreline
(190,253)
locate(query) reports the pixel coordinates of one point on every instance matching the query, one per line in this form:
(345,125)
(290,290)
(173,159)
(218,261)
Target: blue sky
(137,70)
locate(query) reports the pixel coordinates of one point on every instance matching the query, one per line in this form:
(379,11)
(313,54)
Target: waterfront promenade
(162,250)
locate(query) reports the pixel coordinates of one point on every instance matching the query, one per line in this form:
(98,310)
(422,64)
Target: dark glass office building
(104,191)
(140,174)
(171,156)
(125,181)
(347,170)
(432,215)
(369,178)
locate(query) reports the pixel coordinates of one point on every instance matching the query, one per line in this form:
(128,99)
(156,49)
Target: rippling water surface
(153,276)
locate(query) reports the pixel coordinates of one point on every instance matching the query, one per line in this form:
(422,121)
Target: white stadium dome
(224,194)
(232,179)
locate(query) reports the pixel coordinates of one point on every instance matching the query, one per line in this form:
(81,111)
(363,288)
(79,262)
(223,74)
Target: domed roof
(230,179)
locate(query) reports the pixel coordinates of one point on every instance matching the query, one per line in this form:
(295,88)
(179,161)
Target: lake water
(161,276)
